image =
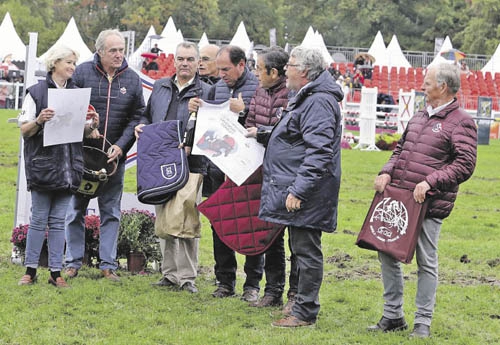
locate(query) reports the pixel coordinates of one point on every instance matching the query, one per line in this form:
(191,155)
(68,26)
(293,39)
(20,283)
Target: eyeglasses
(292,65)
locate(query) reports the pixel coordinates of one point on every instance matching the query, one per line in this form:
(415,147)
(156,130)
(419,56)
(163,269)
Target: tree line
(473,26)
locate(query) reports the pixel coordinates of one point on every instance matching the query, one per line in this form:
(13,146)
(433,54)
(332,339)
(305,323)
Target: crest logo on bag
(169,171)
(389,220)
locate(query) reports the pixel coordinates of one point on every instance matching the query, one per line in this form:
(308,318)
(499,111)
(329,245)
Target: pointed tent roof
(170,38)
(135,59)
(378,50)
(241,39)
(71,37)
(313,39)
(10,43)
(493,65)
(446,46)
(203,41)
(395,56)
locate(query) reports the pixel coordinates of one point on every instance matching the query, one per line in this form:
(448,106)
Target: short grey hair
(58,53)
(309,59)
(103,35)
(450,75)
(189,45)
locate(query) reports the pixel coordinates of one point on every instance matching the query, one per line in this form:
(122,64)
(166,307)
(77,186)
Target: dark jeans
(293,279)
(225,266)
(306,245)
(275,267)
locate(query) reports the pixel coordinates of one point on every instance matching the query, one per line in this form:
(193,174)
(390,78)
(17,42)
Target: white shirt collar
(180,88)
(434,111)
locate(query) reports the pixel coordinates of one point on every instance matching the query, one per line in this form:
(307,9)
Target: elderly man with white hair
(302,174)
(436,153)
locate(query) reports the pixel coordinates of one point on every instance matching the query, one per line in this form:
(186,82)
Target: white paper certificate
(70,107)
(222,139)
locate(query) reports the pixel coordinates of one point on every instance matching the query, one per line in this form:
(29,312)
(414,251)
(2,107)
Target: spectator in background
(358,79)
(151,65)
(464,69)
(7,61)
(156,50)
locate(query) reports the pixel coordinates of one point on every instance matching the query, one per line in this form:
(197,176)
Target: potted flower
(137,240)
(387,141)
(92,228)
(18,239)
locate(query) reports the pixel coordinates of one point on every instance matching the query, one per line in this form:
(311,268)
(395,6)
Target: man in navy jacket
(169,101)
(302,174)
(117,97)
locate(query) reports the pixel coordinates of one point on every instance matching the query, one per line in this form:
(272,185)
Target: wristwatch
(242,113)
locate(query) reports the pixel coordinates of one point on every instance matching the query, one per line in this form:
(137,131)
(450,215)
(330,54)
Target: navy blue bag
(162,166)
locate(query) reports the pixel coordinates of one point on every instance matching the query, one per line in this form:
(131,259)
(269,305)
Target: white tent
(135,59)
(493,65)
(445,47)
(242,40)
(313,39)
(171,37)
(71,38)
(395,56)
(203,41)
(10,43)
(378,50)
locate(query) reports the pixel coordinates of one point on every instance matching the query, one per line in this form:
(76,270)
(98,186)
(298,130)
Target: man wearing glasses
(117,98)
(302,174)
(169,101)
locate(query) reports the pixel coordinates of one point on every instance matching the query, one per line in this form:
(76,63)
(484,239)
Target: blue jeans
(48,208)
(110,211)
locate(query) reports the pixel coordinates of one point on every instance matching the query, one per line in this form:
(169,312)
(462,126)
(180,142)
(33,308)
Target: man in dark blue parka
(302,174)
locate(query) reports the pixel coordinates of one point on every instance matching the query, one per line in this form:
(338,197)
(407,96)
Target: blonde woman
(52,172)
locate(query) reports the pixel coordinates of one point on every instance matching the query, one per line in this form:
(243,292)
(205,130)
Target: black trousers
(306,246)
(226,265)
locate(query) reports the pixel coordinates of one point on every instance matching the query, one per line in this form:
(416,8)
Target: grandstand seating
(391,81)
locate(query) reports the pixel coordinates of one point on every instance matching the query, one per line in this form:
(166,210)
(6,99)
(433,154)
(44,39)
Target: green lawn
(95,311)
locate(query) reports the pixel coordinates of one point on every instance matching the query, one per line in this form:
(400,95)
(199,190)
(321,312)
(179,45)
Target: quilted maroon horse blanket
(233,210)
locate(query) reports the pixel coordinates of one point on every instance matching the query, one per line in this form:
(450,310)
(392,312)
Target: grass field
(95,311)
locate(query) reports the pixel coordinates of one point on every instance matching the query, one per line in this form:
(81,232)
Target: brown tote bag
(393,223)
(179,216)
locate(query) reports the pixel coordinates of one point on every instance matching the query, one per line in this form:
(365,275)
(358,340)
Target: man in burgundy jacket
(436,153)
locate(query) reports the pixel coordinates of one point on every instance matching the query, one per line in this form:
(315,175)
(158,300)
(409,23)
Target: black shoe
(250,295)
(189,287)
(222,292)
(389,325)
(163,282)
(420,331)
